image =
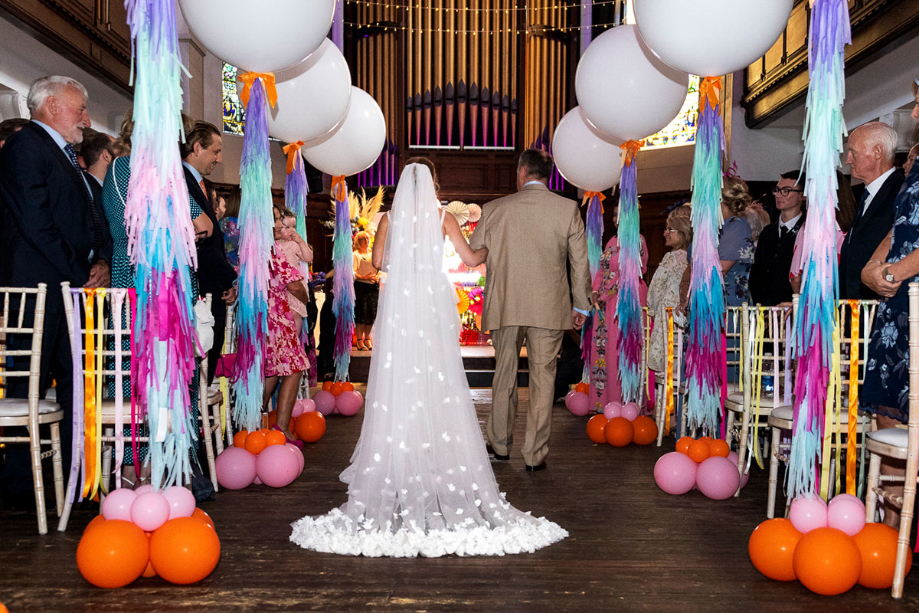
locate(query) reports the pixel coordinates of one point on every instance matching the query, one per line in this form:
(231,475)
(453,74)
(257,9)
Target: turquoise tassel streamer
(295,191)
(824,127)
(594,231)
(343,282)
(256,239)
(628,305)
(161,243)
(706,300)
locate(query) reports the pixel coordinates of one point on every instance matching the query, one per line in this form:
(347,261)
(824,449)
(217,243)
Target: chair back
(854,323)
(767,364)
(733,335)
(14,320)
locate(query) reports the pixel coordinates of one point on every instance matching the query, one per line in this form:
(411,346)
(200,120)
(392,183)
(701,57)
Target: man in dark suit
(769,284)
(200,155)
(52,231)
(870,155)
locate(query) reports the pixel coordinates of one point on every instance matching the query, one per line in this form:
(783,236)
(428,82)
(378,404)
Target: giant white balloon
(583,158)
(263,36)
(626,91)
(711,38)
(356,144)
(312,96)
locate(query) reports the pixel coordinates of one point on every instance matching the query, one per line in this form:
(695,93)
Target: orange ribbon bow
(248,79)
(339,188)
(630,148)
(291,151)
(588,196)
(708,91)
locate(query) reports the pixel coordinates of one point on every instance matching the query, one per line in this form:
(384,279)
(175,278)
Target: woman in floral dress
(664,290)
(736,247)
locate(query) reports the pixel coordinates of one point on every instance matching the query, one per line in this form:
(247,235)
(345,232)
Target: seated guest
(869,153)
(769,284)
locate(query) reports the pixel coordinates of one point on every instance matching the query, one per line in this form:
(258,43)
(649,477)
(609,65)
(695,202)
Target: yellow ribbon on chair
(291,150)
(759,336)
(630,150)
(248,79)
(668,382)
(89,390)
(852,440)
(100,367)
(708,91)
(339,188)
(831,420)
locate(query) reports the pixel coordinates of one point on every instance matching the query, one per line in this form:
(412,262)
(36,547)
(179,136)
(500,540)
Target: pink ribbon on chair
(117,304)
(76,350)
(724,384)
(132,298)
(786,400)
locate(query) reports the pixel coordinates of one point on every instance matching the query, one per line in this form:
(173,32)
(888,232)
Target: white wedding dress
(420,481)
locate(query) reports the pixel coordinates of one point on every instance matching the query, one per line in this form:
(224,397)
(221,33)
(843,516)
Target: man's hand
(578,319)
(100,275)
(229,296)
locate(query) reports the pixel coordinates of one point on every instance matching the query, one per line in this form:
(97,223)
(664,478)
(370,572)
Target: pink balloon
(117,505)
(843,497)
(181,501)
(578,403)
(808,513)
(349,403)
(675,473)
(325,402)
(745,477)
(613,409)
(303,405)
(630,411)
(718,478)
(299,455)
(846,514)
(277,467)
(257,481)
(236,468)
(143,489)
(150,511)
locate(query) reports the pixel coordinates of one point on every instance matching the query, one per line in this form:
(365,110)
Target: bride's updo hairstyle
(426,162)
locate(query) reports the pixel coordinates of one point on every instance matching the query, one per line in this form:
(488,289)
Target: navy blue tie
(97,219)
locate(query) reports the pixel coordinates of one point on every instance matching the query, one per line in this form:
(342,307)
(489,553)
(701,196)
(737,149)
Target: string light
(393,5)
(537,27)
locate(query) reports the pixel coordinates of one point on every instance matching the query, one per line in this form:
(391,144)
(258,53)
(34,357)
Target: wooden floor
(631,547)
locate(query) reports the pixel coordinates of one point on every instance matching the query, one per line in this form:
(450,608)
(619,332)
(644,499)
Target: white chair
(31,412)
(900,444)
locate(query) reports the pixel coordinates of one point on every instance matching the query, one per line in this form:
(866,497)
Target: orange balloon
(149,571)
(203,517)
(311,426)
(582,387)
(337,388)
(772,548)
(719,448)
(239,439)
(347,386)
(272,418)
(699,451)
(184,550)
(645,430)
(94,523)
(113,554)
(3,608)
(683,444)
(877,544)
(326,386)
(275,438)
(619,432)
(255,442)
(595,428)
(827,561)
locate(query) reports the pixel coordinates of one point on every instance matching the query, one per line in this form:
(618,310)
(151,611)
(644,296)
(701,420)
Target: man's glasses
(785,190)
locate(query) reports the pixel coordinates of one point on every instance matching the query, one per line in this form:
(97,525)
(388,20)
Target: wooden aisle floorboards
(632,548)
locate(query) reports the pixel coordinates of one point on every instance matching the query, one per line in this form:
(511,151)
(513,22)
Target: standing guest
(758,219)
(296,251)
(735,249)
(769,284)
(366,291)
(9,127)
(888,273)
(531,237)
(98,151)
(201,152)
(229,224)
(664,290)
(604,353)
(220,204)
(52,232)
(870,154)
(907,165)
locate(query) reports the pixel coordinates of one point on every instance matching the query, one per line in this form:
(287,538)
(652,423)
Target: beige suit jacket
(530,237)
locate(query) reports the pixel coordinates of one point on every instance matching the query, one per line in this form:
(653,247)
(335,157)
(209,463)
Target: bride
(420,481)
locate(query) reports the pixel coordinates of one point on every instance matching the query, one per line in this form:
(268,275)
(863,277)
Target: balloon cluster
(620,425)
(828,548)
(577,400)
(274,465)
(705,463)
(145,532)
(338,397)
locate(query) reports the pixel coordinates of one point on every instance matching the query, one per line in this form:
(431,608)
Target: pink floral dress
(604,357)
(285,355)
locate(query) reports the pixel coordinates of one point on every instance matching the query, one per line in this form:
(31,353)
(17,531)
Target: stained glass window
(682,130)
(234,115)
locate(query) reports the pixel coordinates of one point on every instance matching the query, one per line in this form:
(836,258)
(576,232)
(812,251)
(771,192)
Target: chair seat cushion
(19,407)
(897,437)
(766,403)
(787,413)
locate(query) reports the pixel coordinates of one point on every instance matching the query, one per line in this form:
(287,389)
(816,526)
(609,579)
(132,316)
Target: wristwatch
(887,276)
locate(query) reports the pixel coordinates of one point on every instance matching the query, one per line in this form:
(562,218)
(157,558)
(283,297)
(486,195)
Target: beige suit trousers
(542,350)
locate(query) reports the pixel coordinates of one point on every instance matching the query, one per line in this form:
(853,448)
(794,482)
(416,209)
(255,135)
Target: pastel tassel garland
(295,185)
(815,318)
(256,239)
(343,282)
(706,294)
(161,243)
(594,229)
(628,305)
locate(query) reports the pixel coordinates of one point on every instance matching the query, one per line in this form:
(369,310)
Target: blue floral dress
(886,387)
(736,245)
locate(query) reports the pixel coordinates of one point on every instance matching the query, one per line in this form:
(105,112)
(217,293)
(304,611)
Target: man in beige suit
(530,237)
